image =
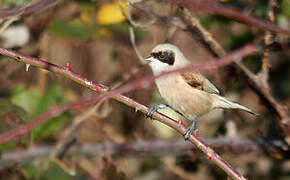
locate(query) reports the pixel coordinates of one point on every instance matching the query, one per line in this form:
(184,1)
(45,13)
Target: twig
(27,10)
(128,16)
(132,24)
(214,46)
(152,147)
(133,42)
(7,23)
(68,134)
(212,7)
(264,73)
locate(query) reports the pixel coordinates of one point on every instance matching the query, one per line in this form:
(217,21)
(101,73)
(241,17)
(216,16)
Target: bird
(190,93)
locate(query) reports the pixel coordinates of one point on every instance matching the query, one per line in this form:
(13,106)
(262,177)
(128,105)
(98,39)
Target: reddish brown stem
(211,7)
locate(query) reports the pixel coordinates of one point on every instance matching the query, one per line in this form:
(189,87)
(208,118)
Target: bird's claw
(150,111)
(187,134)
(189,130)
(153,109)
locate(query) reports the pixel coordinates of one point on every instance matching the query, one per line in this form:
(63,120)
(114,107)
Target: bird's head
(166,57)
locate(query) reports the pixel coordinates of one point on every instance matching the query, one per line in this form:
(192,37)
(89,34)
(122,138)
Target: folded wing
(198,81)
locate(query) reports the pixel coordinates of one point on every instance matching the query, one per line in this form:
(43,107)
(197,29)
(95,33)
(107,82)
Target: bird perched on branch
(189,93)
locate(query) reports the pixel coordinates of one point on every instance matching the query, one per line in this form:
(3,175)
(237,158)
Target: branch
(151,147)
(26,10)
(211,7)
(268,38)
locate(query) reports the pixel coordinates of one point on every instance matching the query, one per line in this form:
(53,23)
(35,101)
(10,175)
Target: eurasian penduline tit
(189,93)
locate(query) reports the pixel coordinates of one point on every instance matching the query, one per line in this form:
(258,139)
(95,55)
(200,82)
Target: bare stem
(152,147)
(264,73)
(212,7)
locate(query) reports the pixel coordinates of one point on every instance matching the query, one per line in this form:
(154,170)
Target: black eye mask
(164,56)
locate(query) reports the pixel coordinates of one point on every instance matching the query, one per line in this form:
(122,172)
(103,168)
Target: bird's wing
(198,81)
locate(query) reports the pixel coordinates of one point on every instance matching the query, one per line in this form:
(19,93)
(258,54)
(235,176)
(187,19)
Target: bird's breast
(182,97)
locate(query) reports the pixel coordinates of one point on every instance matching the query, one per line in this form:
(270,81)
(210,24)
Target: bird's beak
(149,58)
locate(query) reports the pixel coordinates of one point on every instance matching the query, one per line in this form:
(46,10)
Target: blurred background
(93,37)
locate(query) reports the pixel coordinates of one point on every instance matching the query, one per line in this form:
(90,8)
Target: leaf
(75,29)
(11,3)
(50,127)
(110,13)
(123,29)
(286,7)
(54,95)
(25,98)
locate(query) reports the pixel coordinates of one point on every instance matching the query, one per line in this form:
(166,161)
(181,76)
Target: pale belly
(182,97)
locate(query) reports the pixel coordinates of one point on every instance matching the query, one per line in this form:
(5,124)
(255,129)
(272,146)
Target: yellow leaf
(110,13)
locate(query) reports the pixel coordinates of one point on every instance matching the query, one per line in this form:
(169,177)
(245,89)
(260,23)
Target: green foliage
(13,111)
(11,115)
(43,173)
(253,62)
(123,29)
(236,41)
(54,95)
(207,21)
(25,98)
(75,29)
(11,3)
(31,101)
(80,30)
(286,7)
(261,8)
(49,127)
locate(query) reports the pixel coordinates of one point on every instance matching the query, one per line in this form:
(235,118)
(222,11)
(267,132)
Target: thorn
(137,109)
(67,65)
(96,89)
(180,123)
(208,157)
(27,67)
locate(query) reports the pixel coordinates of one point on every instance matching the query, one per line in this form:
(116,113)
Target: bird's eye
(161,56)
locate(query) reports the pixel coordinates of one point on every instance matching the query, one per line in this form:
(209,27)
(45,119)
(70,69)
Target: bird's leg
(191,128)
(154,108)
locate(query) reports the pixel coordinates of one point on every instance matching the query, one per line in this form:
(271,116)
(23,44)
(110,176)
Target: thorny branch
(152,147)
(116,94)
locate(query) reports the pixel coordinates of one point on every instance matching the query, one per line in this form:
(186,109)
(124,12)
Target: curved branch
(211,7)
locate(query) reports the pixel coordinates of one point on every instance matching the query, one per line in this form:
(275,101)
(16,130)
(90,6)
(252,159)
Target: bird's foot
(153,109)
(189,130)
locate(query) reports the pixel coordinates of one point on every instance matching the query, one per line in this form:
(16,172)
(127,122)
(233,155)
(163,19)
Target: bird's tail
(222,102)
